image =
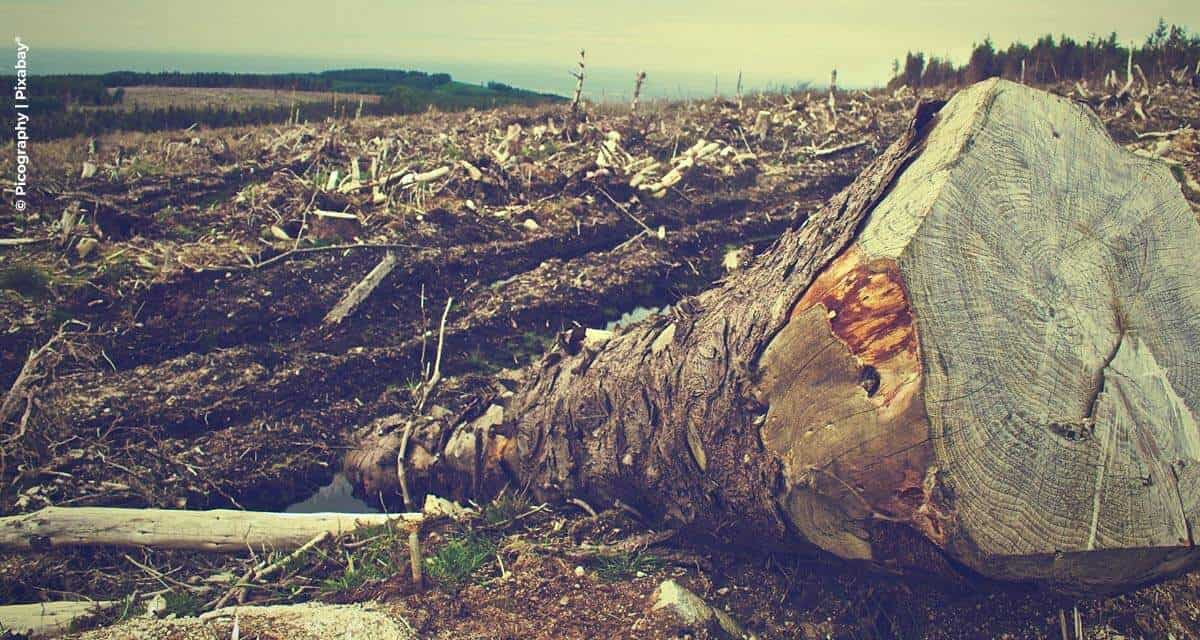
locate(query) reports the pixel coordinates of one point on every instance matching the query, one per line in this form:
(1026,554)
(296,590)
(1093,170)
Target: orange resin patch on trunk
(842,382)
(868,310)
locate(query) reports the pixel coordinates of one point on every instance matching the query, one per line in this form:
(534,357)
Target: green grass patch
(145,167)
(625,565)
(480,361)
(504,508)
(540,152)
(60,315)
(113,272)
(458,560)
(531,345)
(385,556)
(29,281)
(183,604)
(185,233)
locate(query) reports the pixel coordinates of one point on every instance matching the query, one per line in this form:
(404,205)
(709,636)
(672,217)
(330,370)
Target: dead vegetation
(206,318)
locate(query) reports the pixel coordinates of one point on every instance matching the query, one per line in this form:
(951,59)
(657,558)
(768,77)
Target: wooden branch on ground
(222,530)
(17,242)
(1162,134)
(239,589)
(349,303)
(829,151)
(26,377)
(293,556)
(293,253)
(48,619)
(623,209)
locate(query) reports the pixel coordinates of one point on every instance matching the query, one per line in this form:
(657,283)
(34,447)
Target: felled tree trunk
(985,353)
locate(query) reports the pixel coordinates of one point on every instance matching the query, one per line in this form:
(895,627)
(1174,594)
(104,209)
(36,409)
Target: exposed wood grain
(1054,290)
(1025,286)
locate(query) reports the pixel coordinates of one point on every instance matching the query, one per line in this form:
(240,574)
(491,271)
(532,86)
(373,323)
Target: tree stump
(1006,357)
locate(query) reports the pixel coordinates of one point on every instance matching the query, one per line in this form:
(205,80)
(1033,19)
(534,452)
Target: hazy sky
(776,40)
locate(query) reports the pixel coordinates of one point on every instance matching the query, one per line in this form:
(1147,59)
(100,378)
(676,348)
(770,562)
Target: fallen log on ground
(47,619)
(360,291)
(980,356)
(215,530)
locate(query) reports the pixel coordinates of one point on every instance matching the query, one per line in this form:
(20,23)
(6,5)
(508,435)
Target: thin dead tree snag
(832,92)
(981,354)
(637,91)
(578,83)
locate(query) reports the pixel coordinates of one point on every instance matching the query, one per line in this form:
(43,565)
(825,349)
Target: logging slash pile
(224,319)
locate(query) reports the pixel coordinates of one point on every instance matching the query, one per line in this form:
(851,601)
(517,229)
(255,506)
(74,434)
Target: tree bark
(980,357)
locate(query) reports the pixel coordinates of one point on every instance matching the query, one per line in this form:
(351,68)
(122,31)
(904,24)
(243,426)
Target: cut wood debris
(355,296)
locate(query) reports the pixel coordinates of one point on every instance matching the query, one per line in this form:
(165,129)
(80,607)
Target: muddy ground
(180,289)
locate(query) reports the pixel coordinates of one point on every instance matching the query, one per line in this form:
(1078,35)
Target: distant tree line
(345,80)
(64,123)
(1168,48)
(72,90)
(66,105)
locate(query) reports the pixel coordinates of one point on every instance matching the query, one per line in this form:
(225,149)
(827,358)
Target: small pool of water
(335,497)
(503,281)
(630,317)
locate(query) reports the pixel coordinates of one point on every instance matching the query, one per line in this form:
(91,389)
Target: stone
(691,610)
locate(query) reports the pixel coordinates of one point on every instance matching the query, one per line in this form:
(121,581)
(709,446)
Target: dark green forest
(67,105)
(377,81)
(1169,48)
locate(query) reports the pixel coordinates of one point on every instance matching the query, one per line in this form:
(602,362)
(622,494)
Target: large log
(981,356)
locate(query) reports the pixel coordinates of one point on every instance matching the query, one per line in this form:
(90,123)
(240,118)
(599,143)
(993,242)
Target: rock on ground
(693,611)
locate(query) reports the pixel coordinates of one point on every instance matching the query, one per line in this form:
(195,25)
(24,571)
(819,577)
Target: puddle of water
(500,283)
(630,317)
(335,497)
